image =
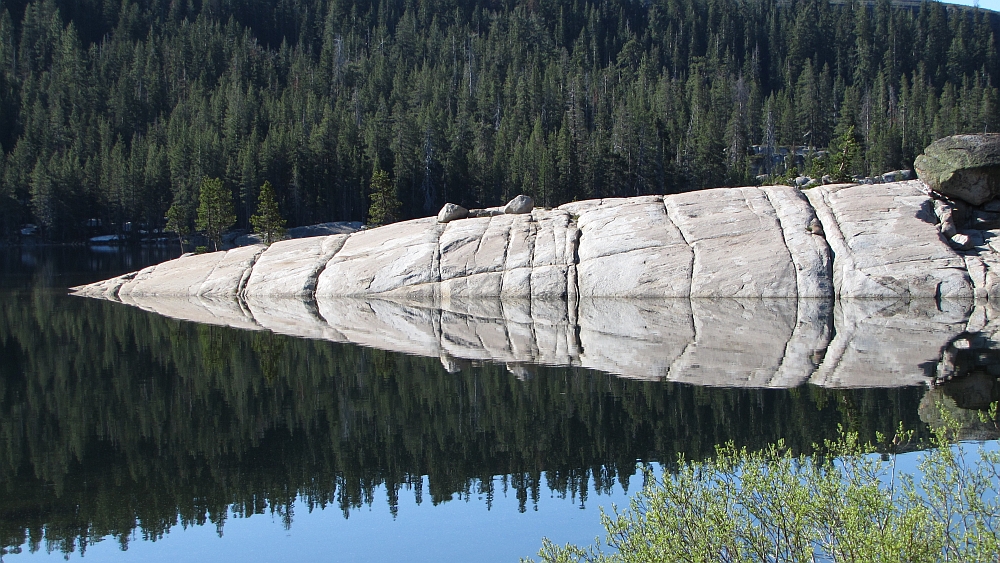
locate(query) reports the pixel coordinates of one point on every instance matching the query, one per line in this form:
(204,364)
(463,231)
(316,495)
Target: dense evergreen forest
(116,421)
(117,109)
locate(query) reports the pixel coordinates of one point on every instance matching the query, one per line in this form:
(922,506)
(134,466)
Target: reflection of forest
(114,419)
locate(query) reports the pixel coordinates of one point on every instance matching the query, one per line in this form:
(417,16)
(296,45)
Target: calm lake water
(125,435)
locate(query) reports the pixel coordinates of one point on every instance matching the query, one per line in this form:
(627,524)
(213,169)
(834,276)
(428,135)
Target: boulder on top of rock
(451,212)
(519,205)
(962,166)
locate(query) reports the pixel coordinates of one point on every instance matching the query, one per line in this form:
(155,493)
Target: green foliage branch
(847,504)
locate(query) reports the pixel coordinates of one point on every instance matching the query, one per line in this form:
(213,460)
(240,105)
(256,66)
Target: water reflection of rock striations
(714,342)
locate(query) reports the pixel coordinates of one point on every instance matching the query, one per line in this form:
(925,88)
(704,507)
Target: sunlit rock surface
(856,241)
(886,242)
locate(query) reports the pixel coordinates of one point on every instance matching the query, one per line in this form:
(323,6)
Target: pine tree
(179,221)
(846,154)
(268,221)
(43,195)
(215,210)
(385,204)
(8,103)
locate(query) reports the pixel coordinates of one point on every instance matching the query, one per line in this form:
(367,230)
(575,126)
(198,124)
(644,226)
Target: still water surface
(180,441)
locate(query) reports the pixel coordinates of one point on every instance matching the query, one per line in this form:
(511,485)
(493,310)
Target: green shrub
(846,504)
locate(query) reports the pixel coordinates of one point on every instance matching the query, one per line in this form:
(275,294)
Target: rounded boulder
(451,212)
(519,205)
(966,167)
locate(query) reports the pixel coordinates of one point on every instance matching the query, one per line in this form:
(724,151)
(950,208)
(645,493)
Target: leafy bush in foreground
(848,505)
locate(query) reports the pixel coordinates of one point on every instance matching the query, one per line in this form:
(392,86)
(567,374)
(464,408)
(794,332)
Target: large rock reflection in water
(778,343)
(118,420)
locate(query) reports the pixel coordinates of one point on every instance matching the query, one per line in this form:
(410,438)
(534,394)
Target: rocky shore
(929,238)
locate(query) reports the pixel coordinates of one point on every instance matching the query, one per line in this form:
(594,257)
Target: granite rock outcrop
(894,240)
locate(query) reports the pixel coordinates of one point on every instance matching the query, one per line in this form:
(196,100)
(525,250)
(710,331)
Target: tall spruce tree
(268,222)
(385,204)
(215,210)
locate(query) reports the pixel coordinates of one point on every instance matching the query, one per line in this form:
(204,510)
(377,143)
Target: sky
(987,4)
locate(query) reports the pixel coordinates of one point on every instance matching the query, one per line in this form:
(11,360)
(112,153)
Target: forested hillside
(117,109)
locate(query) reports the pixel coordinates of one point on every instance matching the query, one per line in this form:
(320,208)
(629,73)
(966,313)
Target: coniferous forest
(115,110)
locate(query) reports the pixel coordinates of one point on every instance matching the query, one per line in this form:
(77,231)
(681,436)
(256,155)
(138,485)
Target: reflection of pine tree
(214,349)
(270,350)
